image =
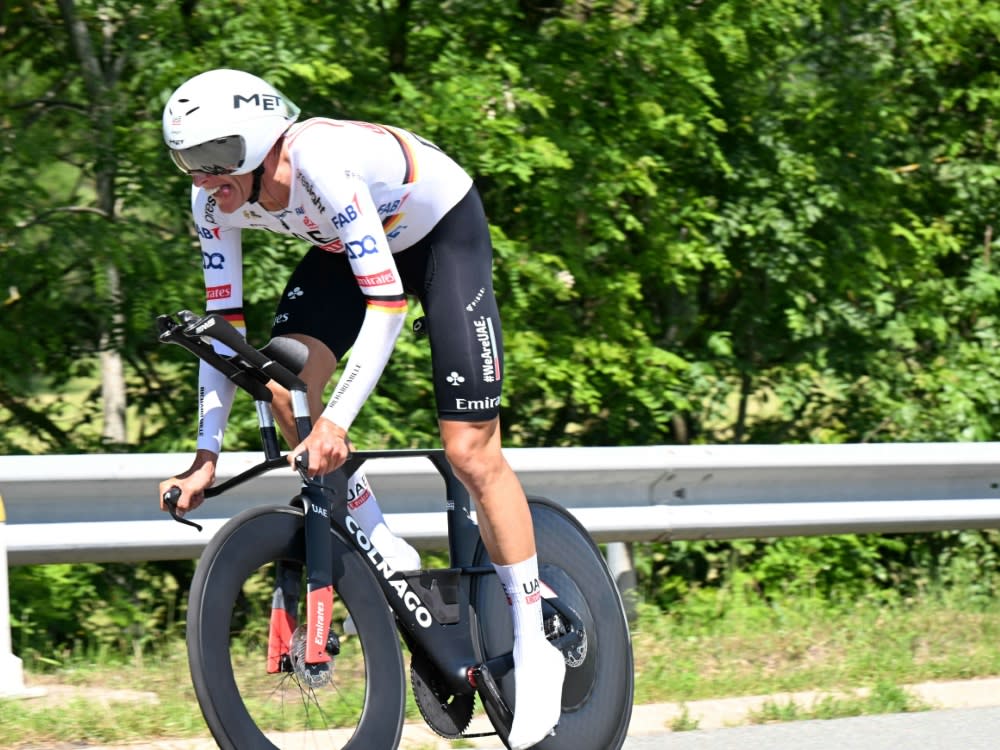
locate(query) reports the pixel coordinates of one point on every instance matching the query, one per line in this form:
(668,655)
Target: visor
(221,156)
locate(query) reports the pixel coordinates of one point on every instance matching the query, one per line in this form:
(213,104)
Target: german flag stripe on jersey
(391,221)
(233,315)
(410,168)
(388,304)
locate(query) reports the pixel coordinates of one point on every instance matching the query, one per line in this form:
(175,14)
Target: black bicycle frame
(431,606)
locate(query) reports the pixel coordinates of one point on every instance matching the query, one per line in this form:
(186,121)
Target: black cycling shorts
(451,272)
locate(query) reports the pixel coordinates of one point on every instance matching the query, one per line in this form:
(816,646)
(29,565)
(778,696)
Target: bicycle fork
(319,576)
(316,506)
(284,616)
(319,591)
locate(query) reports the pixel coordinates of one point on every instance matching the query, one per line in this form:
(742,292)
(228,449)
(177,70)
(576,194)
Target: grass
(800,646)
(684,722)
(884,698)
(744,650)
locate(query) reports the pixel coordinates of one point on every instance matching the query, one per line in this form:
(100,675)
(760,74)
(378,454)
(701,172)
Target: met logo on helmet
(267,102)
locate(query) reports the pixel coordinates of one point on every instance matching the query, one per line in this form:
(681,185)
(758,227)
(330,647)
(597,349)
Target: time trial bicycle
(270,663)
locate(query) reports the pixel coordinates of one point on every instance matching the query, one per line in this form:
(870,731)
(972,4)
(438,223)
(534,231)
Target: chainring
(446,713)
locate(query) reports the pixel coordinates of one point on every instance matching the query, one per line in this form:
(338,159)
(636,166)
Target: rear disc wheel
(598,689)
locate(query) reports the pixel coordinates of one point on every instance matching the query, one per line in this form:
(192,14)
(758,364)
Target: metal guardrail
(104,507)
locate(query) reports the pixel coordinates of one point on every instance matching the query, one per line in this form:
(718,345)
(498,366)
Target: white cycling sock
(364,508)
(539,667)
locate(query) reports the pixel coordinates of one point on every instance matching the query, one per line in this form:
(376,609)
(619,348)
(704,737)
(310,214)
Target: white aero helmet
(224,122)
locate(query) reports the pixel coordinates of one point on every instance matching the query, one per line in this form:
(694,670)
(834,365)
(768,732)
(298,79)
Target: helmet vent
(187,101)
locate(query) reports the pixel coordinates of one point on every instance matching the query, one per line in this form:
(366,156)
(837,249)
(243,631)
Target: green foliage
(117,611)
(748,221)
(719,222)
(706,577)
(125,611)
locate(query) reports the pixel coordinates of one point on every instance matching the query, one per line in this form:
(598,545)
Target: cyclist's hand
(327,447)
(192,483)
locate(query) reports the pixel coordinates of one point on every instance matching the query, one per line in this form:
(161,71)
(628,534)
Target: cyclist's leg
(584,614)
(451,271)
(456,291)
(321,289)
(473,450)
(319,368)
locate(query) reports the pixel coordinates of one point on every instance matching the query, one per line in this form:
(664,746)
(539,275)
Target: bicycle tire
(233,557)
(597,693)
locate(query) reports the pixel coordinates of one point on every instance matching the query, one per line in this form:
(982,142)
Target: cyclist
(386,214)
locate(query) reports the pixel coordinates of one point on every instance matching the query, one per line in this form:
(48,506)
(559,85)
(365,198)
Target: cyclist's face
(230,191)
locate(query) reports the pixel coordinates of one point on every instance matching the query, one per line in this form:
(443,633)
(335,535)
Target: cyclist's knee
(320,364)
(473,450)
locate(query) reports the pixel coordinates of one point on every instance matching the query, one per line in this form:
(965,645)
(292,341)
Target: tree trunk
(100,81)
(113,392)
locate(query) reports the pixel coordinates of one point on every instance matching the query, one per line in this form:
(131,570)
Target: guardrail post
(11,674)
(619,558)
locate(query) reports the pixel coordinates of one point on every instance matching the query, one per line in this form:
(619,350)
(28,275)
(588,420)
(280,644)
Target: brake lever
(302,467)
(322,481)
(170,498)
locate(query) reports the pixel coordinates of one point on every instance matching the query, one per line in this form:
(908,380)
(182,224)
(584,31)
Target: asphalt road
(954,729)
(966,716)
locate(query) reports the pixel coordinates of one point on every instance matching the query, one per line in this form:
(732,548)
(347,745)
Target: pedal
(493,701)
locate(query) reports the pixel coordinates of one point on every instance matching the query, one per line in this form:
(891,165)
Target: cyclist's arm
(371,261)
(222,260)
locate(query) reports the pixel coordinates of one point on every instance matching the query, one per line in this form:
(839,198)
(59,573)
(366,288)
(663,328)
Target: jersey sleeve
(222,261)
(371,260)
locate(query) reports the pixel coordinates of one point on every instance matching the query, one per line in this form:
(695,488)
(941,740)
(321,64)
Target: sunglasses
(220,156)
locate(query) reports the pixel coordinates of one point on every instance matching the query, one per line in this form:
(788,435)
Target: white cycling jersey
(358,188)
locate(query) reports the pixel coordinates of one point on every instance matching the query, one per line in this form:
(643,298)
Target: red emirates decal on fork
(320,609)
(279,641)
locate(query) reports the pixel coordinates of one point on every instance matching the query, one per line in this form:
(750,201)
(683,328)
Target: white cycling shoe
(404,557)
(537,697)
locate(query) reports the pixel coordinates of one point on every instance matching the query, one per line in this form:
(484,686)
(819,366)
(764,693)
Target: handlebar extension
(248,368)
